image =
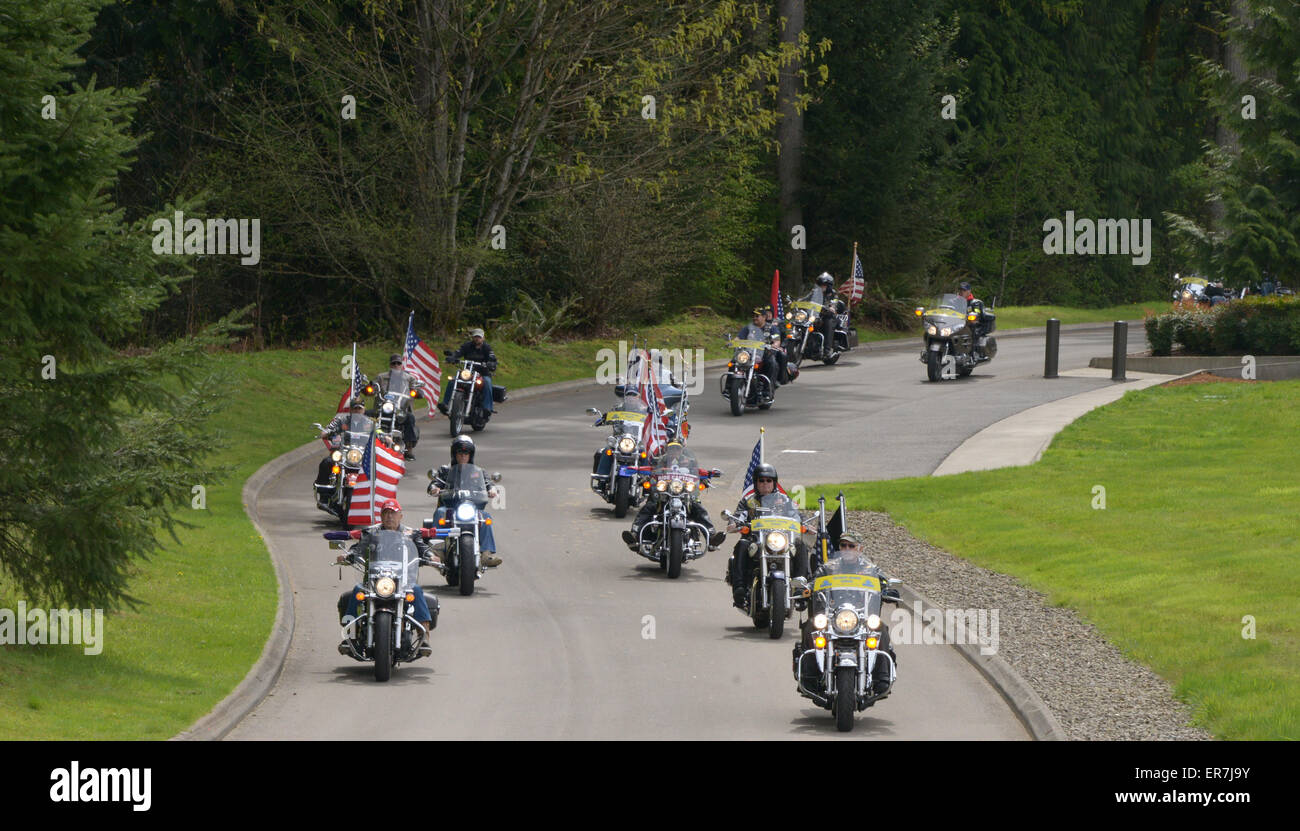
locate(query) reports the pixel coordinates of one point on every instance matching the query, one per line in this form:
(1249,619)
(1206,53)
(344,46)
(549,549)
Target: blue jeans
(419,609)
(486,400)
(486,542)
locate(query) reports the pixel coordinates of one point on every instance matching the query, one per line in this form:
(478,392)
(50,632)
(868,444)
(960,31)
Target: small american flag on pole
(777,311)
(355,388)
(423,364)
(755,459)
(855,285)
(371,490)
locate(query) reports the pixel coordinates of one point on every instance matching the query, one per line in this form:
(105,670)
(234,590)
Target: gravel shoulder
(1090,687)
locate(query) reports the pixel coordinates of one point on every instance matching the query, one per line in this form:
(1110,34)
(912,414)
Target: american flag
(777,309)
(357,383)
(854,286)
(371,491)
(654,430)
(755,459)
(423,364)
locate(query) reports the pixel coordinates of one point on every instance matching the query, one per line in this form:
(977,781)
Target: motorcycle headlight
(465,512)
(819,621)
(930,328)
(945,331)
(1187,295)
(742,357)
(337,455)
(626,444)
(388,406)
(385,586)
(789,316)
(354,456)
(846,620)
(661,486)
(801,316)
(873,622)
(676,486)
(776,541)
(465,374)
(690,486)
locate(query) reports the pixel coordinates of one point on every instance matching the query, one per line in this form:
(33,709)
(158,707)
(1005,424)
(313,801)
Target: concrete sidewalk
(1020,439)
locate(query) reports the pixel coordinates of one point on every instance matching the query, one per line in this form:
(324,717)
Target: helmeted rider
(696,512)
(354,420)
(390,519)
(474,349)
(398,380)
(767,500)
(462,453)
(824,293)
(851,559)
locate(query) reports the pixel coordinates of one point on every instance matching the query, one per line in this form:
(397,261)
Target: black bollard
(1119,351)
(1053,348)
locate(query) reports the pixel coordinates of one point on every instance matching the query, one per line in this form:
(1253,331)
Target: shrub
(1253,326)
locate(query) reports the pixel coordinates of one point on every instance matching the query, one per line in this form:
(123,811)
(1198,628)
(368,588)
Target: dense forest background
(474,117)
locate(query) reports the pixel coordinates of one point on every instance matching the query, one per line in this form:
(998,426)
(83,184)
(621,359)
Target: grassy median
(1197,539)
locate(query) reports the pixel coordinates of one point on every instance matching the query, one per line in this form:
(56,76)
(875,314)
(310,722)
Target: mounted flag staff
(855,285)
(422,363)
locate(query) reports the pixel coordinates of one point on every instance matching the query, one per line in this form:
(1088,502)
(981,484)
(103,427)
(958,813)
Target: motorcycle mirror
(431,474)
(895,581)
(715,472)
(318,426)
(335,544)
(593,411)
(496,477)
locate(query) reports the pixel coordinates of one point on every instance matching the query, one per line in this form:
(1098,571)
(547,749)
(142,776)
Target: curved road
(551,644)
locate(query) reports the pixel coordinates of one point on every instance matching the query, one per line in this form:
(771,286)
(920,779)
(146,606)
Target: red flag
(776,294)
(654,429)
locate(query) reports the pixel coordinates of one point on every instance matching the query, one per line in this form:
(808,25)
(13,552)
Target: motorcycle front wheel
(934,364)
(676,544)
(780,595)
(383,624)
(846,698)
(735,391)
(467,572)
(456,414)
(622,496)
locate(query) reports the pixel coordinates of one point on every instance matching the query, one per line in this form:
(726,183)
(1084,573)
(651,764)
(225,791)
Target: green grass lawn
(1199,531)
(1024,317)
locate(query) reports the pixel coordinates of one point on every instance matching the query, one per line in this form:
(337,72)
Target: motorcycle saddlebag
(853,338)
(498,394)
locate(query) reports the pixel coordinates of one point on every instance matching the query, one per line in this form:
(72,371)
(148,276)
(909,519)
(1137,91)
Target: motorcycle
(624,450)
(848,667)
(957,336)
(346,453)
(742,384)
(772,541)
(803,341)
(393,408)
(676,399)
(671,538)
(384,630)
(457,525)
(464,406)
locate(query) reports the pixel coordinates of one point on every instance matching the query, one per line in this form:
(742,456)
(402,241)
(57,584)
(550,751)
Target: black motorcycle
(743,385)
(847,666)
(346,453)
(672,538)
(772,543)
(802,341)
(957,337)
(459,522)
(464,404)
(384,630)
(393,408)
(613,474)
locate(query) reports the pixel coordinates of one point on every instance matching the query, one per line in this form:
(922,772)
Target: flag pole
(353,381)
(852,268)
(762,445)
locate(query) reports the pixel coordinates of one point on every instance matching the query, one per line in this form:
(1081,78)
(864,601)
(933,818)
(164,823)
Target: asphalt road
(553,644)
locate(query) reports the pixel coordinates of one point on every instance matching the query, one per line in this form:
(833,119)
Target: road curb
(262,677)
(1033,713)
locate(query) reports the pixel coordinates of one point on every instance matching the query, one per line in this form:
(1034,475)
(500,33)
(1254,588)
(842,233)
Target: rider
(851,560)
(770,502)
(696,513)
(773,364)
(788,373)
(474,349)
(390,519)
(824,293)
(401,381)
(353,421)
(963,291)
(462,453)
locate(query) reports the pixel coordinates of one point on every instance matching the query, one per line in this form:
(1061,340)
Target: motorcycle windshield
(755,345)
(776,506)
(355,441)
(468,483)
(394,555)
(952,302)
(629,413)
(399,384)
(677,461)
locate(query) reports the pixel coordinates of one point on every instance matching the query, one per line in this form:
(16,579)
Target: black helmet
(462,444)
(356,402)
(765,471)
(825,279)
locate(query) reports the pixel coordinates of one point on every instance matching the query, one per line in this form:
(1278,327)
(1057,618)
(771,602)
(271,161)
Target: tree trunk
(789,134)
